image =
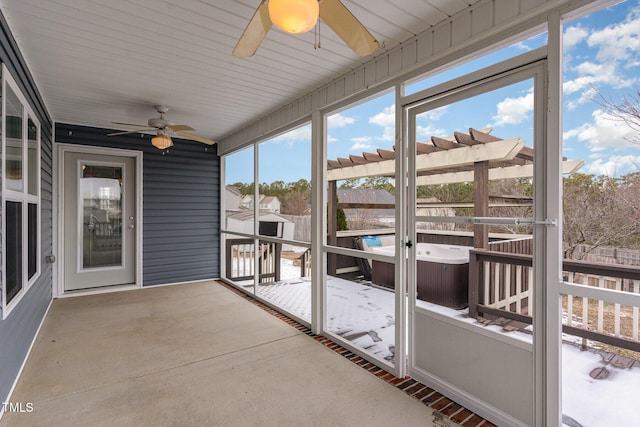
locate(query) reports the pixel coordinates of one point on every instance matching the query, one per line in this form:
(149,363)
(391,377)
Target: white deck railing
(601,302)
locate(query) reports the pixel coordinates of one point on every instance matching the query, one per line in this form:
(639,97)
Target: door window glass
(101,194)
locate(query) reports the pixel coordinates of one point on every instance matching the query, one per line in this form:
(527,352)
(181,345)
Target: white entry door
(99,220)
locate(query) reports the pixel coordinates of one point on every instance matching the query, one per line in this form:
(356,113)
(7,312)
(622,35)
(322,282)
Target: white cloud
(619,41)
(361,139)
(591,74)
(386,118)
(429,129)
(434,115)
(339,121)
(514,110)
(617,48)
(300,134)
(587,95)
(426,132)
(522,46)
(361,144)
(571,133)
(573,36)
(604,132)
(616,165)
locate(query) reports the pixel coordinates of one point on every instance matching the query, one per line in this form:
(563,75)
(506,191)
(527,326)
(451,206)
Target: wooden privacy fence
(240,260)
(305,263)
(608,255)
(302,226)
(501,285)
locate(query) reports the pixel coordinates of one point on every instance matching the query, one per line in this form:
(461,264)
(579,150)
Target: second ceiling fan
(305,14)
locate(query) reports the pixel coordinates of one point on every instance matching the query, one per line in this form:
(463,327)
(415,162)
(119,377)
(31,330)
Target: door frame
(58,219)
(545,369)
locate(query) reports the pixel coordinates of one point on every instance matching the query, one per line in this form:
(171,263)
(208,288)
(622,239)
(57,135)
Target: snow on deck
(364,315)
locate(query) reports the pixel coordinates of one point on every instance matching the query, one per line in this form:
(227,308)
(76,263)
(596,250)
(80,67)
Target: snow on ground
(364,315)
(361,314)
(595,403)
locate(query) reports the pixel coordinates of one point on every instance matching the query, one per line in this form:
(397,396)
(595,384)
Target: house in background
(361,219)
(71,70)
(266,203)
(270,203)
(243,222)
(232,199)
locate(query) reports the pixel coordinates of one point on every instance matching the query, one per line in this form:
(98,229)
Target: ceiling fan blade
(177,128)
(128,132)
(255,32)
(130,124)
(347,27)
(195,138)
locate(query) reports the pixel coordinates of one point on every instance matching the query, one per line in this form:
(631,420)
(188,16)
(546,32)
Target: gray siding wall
(181,204)
(19,329)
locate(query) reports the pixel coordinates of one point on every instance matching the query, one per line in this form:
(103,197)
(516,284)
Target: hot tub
(442,273)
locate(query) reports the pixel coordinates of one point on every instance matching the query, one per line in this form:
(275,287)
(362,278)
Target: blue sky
(601,51)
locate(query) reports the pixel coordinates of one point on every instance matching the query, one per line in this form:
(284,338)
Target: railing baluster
(501,269)
(585,308)
(519,289)
(616,310)
(600,307)
(530,288)
(487,283)
(496,284)
(636,290)
(570,302)
(507,287)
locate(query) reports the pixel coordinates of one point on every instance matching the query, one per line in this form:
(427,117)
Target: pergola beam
(463,156)
(525,171)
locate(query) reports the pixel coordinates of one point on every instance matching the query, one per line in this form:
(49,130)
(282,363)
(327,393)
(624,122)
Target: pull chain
(317,45)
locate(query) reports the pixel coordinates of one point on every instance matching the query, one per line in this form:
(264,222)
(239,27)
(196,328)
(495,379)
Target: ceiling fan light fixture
(294,16)
(161,142)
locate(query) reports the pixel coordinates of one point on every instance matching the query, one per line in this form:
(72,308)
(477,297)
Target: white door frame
(58,226)
(547,204)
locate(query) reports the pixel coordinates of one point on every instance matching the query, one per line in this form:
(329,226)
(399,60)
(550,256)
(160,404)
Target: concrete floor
(196,355)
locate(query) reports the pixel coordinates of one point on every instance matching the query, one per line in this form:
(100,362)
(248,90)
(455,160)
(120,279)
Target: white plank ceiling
(101,61)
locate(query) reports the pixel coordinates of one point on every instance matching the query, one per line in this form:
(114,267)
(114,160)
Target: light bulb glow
(294,16)
(161,142)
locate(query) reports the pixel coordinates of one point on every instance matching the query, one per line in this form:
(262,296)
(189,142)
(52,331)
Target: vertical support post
(547,250)
(332,225)
(277,258)
(257,250)
(405,230)
(318,222)
(474,284)
(225,257)
(481,203)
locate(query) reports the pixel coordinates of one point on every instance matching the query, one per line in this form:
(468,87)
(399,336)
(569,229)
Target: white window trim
(20,196)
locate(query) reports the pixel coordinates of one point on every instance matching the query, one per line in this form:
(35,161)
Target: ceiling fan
(298,16)
(164,129)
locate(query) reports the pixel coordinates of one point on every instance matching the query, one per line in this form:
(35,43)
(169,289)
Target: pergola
(476,156)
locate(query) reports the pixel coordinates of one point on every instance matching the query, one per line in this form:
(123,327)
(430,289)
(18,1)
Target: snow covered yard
(364,315)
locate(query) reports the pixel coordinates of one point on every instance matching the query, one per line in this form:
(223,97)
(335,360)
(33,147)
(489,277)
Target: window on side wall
(20,195)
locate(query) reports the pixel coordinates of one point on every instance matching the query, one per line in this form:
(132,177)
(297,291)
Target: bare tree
(600,211)
(626,111)
(296,202)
